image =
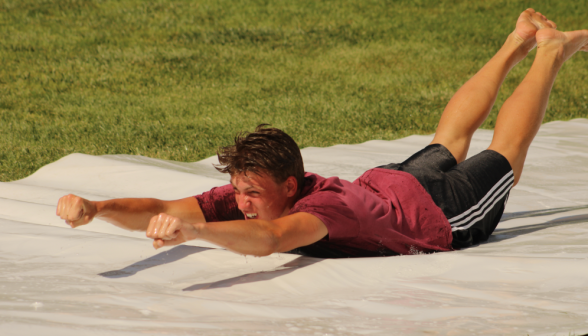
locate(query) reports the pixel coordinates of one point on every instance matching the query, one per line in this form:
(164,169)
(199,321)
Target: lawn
(176,79)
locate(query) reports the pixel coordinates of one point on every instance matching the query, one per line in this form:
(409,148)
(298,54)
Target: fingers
(157,243)
(163,226)
(164,230)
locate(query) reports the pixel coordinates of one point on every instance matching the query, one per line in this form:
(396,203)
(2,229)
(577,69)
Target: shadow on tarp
(503,234)
(182,251)
(166,257)
(257,276)
(537,213)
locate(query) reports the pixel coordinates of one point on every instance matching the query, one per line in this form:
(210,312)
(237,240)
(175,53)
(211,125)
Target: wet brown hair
(266,150)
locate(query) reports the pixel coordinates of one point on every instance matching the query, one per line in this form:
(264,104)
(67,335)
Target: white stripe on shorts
(476,213)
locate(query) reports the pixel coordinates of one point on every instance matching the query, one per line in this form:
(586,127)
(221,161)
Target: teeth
(251,215)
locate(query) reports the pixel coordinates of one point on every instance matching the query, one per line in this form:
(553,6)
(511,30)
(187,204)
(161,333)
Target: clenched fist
(75,210)
(166,230)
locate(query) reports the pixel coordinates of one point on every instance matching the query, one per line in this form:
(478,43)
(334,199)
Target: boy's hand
(75,210)
(166,230)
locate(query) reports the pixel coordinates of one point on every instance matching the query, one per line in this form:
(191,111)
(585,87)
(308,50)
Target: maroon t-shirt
(383,212)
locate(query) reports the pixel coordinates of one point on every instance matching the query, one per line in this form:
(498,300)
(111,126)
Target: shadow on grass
(174,254)
(257,276)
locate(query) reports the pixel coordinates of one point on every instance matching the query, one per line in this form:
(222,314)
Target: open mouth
(251,215)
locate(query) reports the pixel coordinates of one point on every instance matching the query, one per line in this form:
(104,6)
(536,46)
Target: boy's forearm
(248,237)
(135,213)
(129,213)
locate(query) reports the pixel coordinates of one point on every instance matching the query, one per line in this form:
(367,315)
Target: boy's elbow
(271,244)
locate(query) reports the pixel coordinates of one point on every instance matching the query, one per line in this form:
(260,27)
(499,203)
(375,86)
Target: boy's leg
(521,115)
(472,103)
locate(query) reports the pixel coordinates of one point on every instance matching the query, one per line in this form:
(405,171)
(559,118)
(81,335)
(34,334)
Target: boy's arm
(127,213)
(253,237)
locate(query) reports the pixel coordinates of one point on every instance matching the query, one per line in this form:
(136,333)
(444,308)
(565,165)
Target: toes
(540,24)
(553,25)
(541,21)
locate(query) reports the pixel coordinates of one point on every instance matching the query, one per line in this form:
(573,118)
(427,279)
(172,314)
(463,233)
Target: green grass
(176,79)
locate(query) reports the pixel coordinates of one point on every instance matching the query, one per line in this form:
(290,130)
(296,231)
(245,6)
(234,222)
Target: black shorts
(471,194)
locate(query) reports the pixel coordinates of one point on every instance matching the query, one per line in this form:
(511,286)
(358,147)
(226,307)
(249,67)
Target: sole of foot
(566,44)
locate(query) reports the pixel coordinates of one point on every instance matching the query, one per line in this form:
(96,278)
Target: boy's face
(260,197)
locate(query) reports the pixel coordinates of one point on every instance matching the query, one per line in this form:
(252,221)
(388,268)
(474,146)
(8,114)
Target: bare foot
(528,24)
(564,44)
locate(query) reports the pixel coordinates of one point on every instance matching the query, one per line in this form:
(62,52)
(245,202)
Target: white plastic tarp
(531,277)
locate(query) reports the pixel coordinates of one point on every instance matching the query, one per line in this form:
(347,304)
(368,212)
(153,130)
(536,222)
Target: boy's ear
(291,186)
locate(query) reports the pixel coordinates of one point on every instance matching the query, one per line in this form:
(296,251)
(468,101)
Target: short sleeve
(219,204)
(328,206)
